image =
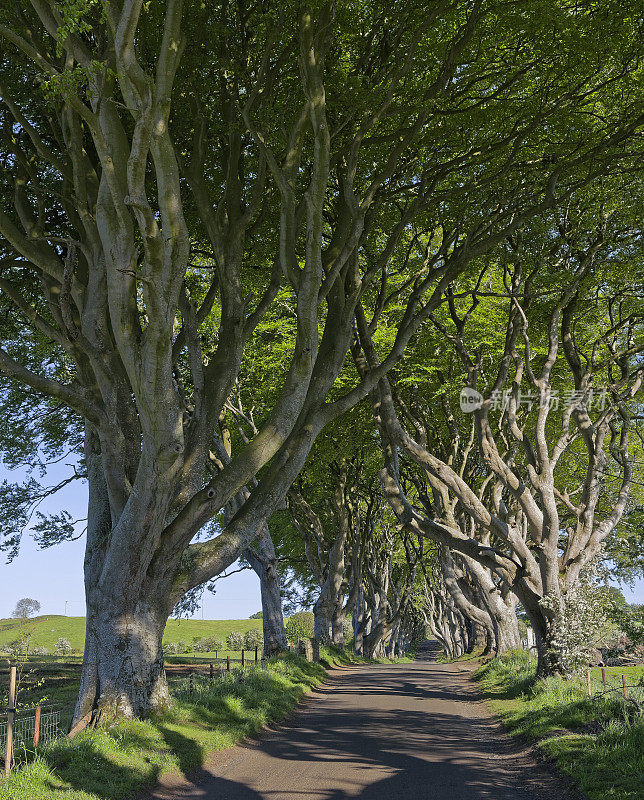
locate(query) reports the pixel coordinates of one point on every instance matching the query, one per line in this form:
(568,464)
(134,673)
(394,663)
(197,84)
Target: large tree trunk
(359,624)
(337,625)
(264,562)
(544,624)
(123,668)
(374,640)
(506,629)
(321,620)
(393,640)
(273,618)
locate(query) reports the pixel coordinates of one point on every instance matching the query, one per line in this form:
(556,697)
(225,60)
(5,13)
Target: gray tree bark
(263,560)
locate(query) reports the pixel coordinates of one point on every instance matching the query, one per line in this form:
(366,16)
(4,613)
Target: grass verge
(598,741)
(117,762)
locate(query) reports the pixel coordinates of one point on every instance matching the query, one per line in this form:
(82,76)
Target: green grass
(117,762)
(114,763)
(46,630)
(599,742)
(473,656)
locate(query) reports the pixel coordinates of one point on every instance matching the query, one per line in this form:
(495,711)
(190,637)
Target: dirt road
(410,731)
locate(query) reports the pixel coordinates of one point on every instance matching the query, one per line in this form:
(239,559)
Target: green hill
(46,630)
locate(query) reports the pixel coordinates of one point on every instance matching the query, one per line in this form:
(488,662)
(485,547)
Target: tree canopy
(224,225)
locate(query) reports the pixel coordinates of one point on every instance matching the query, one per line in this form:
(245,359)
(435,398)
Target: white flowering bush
(580,620)
(235,640)
(63,647)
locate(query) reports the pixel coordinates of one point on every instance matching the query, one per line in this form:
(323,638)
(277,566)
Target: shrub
(63,647)
(580,619)
(299,626)
(20,647)
(253,639)
(201,644)
(235,640)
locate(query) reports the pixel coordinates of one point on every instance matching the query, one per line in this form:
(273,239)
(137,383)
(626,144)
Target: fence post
(212,672)
(590,691)
(256,654)
(624,685)
(242,656)
(604,678)
(11,715)
(228,662)
(37,727)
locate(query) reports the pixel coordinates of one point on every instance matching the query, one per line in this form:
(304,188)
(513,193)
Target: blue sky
(55,575)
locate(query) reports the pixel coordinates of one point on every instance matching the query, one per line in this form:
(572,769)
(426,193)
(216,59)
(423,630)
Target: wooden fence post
(37,727)
(624,685)
(242,656)
(604,677)
(228,662)
(212,672)
(11,715)
(590,691)
(256,654)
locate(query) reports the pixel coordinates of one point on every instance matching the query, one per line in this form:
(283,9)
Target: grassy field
(599,742)
(46,630)
(116,762)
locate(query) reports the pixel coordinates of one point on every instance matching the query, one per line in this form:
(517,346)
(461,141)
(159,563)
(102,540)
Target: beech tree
(554,416)
(335,508)
(169,176)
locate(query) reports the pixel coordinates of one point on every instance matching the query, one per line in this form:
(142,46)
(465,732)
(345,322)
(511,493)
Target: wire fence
(31,727)
(601,681)
(22,730)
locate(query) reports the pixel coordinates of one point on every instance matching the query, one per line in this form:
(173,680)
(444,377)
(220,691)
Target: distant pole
(66,601)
